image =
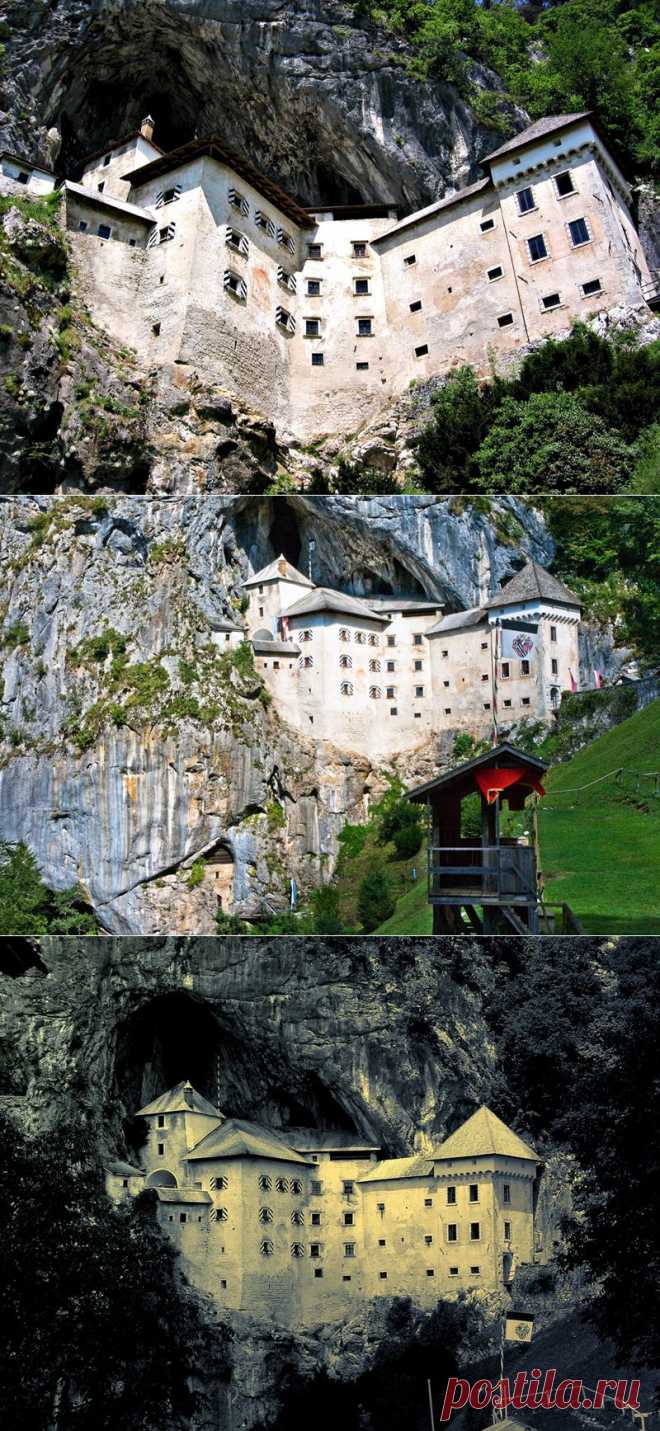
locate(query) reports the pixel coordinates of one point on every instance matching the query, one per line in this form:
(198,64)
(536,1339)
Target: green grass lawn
(600,849)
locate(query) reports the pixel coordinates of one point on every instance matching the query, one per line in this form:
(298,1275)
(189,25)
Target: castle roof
(530,584)
(403,603)
(119,144)
(183,1098)
(461,775)
(223,623)
(482,1135)
(416,1166)
(418,218)
(323,599)
(337,1141)
(26,163)
(214,148)
(537,130)
(237,1138)
(124,1170)
(184,1194)
(106,201)
(279,570)
(459,620)
(270,647)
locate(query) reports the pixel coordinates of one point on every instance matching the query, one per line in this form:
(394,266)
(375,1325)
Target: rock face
(132,744)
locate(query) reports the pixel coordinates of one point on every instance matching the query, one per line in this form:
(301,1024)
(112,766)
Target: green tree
(461,411)
(325,910)
(376,899)
(99,1330)
(27,906)
(551,441)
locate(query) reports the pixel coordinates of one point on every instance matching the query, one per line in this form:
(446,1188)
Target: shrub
(352,839)
(551,441)
(197,873)
(376,899)
(325,910)
(16,635)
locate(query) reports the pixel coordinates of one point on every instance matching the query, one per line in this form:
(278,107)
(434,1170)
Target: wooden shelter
(489,873)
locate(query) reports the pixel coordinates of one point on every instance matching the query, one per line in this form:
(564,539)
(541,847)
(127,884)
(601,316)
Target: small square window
(428,1202)
(313,287)
(83,226)
(507,705)
(484,645)
(416,306)
(362,367)
(348,1187)
(381,1241)
(312,327)
(345,1278)
(317,1188)
(551,300)
(428,1240)
(422,350)
(161,1150)
(365,327)
(484,676)
(106,160)
(486,705)
(409,260)
(447,710)
(579,232)
(349,1249)
(419,692)
(593,285)
(486,225)
(445,652)
(100,187)
(452,1232)
(104,231)
(361,286)
(506,670)
(318,360)
(524,668)
(349,1219)
(536,248)
(495,273)
(430,1272)
(383,1276)
(314,250)
(525,198)
(526,701)
(453,1271)
(419,665)
(359,249)
(318,1271)
(474,1192)
(505,320)
(475,1231)
(564,184)
(475,1271)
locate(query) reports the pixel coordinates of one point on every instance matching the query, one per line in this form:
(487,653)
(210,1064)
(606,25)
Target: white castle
(300,1225)
(382,674)
(319,317)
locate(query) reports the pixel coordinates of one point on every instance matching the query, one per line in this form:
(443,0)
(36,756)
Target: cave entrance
(284,533)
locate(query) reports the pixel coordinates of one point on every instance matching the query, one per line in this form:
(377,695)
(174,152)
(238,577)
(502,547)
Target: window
(359,249)
(265,1214)
(564,184)
(362,367)
(263,222)
(346,688)
(318,1271)
(155,328)
(475,1271)
(493,273)
(430,1272)
(374,665)
(551,300)
(317,1189)
(391,640)
(554,667)
(265,1183)
(221,1214)
(104,231)
(349,1219)
(505,320)
(345,662)
(348,1187)
(524,668)
(536,248)
(285,240)
(106,160)
(452,1232)
(416,306)
(349,1249)
(318,360)
(447,710)
(381,1242)
(373,639)
(428,1202)
(286,279)
(409,260)
(83,226)
(418,665)
(284,319)
(593,285)
(506,670)
(525,199)
(422,350)
(235,284)
(417,640)
(394,710)
(297,1249)
(526,701)
(238,201)
(578,232)
(297,1217)
(344,633)
(315,1249)
(419,692)
(484,675)
(486,225)
(484,645)
(453,1271)
(506,1192)
(237,241)
(161,1120)
(161,1150)
(282,1185)
(312,327)
(391,665)
(475,1232)
(375,693)
(183,1217)
(391,693)
(100,187)
(316,1219)
(306,634)
(313,287)
(507,705)
(365,327)
(359,638)
(474,1192)
(445,652)
(446,684)
(361,286)
(124,1182)
(507,1232)
(451,1196)
(166,233)
(553,633)
(486,705)
(168,196)
(314,250)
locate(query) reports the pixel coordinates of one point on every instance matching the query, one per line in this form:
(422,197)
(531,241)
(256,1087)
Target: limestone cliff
(132,743)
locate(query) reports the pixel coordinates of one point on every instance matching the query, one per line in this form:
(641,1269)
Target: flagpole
(493,675)
(428,1386)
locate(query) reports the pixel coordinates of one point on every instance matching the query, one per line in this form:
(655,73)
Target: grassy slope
(600,849)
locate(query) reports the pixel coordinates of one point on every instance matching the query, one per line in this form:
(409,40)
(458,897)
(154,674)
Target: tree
(27,906)
(461,410)
(325,910)
(376,901)
(99,1331)
(551,441)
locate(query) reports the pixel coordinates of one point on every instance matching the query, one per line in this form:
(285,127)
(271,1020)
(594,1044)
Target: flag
(573,680)
(598,679)
(518,1327)
(519,638)
(284,623)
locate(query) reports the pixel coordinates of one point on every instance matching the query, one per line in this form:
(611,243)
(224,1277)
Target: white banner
(519,642)
(518,1327)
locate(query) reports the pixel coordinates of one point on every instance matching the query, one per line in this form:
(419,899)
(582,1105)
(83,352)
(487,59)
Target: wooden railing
(483,872)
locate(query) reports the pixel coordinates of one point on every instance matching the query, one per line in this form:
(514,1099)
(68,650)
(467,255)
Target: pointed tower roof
(530,584)
(279,570)
(482,1135)
(538,130)
(324,599)
(183,1098)
(240,1139)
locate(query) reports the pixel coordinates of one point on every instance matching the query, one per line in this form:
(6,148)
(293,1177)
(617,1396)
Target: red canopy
(493,782)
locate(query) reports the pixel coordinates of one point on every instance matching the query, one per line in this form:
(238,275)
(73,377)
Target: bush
(352,840)
(197,873)
(325,910)
(376,899)
(407,838)
(551,441)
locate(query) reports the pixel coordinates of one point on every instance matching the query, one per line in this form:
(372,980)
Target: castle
(380,675)
(319,317)
(298,1226)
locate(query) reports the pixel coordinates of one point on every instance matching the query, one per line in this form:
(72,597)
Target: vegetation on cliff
(28,906)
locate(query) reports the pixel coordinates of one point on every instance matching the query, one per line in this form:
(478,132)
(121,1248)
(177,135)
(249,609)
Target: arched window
(282,1185)
(305,662)
(297,1217)
(374,639)
(265,1183)
(305,635)
(161,1179)
(296,1186)
(345,663)
(297,1249)
(220,1214)
(266,1248)
(346,688)
(359,638)
(218,1183)
(344,633)
(374,665)
(265,1214)
(375,693)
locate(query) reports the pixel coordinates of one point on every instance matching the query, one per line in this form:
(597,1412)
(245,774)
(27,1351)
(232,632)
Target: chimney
(147,127)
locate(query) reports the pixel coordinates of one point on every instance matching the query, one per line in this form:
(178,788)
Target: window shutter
(286,279)
(160,199)
(153,239)
(285,320)
(285,239)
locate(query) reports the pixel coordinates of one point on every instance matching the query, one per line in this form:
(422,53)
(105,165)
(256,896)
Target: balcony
(482,874)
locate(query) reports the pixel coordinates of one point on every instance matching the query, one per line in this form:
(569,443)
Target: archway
(161,1179)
